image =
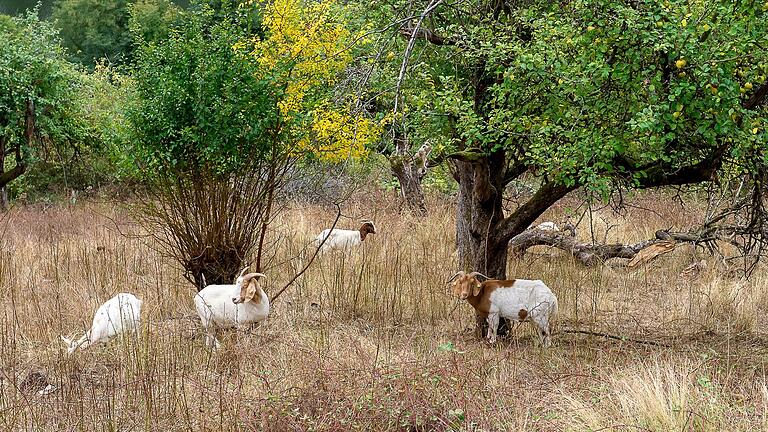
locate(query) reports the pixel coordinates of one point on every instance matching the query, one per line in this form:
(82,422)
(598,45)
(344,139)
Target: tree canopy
(304,50)
(217,94)
(93,30)
(604,95)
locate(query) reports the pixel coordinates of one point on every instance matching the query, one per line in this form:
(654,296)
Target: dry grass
(372,340)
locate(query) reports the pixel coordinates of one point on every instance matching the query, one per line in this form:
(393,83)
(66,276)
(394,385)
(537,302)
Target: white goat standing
(518,299)
(231,305)
(344,239)
(121,313)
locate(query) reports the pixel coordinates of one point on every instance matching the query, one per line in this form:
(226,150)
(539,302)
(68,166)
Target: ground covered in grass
(372,340)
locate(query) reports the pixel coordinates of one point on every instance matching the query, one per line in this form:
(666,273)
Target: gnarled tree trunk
(409,176)
(478,214)
(482,230)
(409,173)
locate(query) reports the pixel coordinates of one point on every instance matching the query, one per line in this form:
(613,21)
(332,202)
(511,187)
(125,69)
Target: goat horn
(460,272)
(242,272)
(474,273)
(250,276)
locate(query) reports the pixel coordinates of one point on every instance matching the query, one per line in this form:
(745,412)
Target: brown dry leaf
(649,253)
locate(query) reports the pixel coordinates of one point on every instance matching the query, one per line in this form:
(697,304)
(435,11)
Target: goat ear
(252,292)
(476,288)
(67,342)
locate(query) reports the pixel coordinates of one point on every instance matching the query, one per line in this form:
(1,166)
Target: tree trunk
(3,191)
(409,174)
(4,202)
(482,230)
(478,213)
(409,177)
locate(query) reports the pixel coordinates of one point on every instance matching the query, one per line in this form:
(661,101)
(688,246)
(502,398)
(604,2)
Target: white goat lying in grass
(520,299)
(235,305)
(344,239)
(121,313)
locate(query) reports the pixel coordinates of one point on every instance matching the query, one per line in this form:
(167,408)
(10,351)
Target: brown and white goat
(344,239)
(516,299)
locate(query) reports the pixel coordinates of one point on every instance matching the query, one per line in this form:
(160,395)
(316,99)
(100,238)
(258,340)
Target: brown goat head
(367,228)
(466,285)
(249,289)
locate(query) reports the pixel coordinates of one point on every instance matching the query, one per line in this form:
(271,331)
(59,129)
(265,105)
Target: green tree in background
(96,29)
(224,112)
(604,95)
(41,109)
(151,20)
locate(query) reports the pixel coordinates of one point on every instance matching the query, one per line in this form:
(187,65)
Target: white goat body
(121,313)
(520,300)
(525,300)
(231,305)
(344,239)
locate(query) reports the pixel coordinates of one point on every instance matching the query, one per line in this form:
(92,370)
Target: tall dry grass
(371,339)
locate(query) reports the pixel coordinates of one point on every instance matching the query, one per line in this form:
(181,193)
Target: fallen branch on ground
(592,253)
(610,336)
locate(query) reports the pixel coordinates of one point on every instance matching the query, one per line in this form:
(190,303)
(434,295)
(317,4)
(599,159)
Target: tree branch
(469,155)
(11,175)
(426,34)
(592,253)
(661,175)
(311,259)
(513,172)
(704,170)
(758,98)
(407,55)
(526,214)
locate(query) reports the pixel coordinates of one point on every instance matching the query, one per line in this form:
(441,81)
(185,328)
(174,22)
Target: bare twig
(306,266)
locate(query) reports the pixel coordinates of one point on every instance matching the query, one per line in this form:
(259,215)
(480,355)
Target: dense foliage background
(601,96)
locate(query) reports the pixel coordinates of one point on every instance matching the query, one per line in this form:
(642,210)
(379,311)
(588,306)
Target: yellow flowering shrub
(305,48)
(338,135)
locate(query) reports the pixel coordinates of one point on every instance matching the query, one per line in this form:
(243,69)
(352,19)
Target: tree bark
(29,136)
(12,175)
(587,253)
(3,191)
(409,173)
(478,213)
(593,253)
